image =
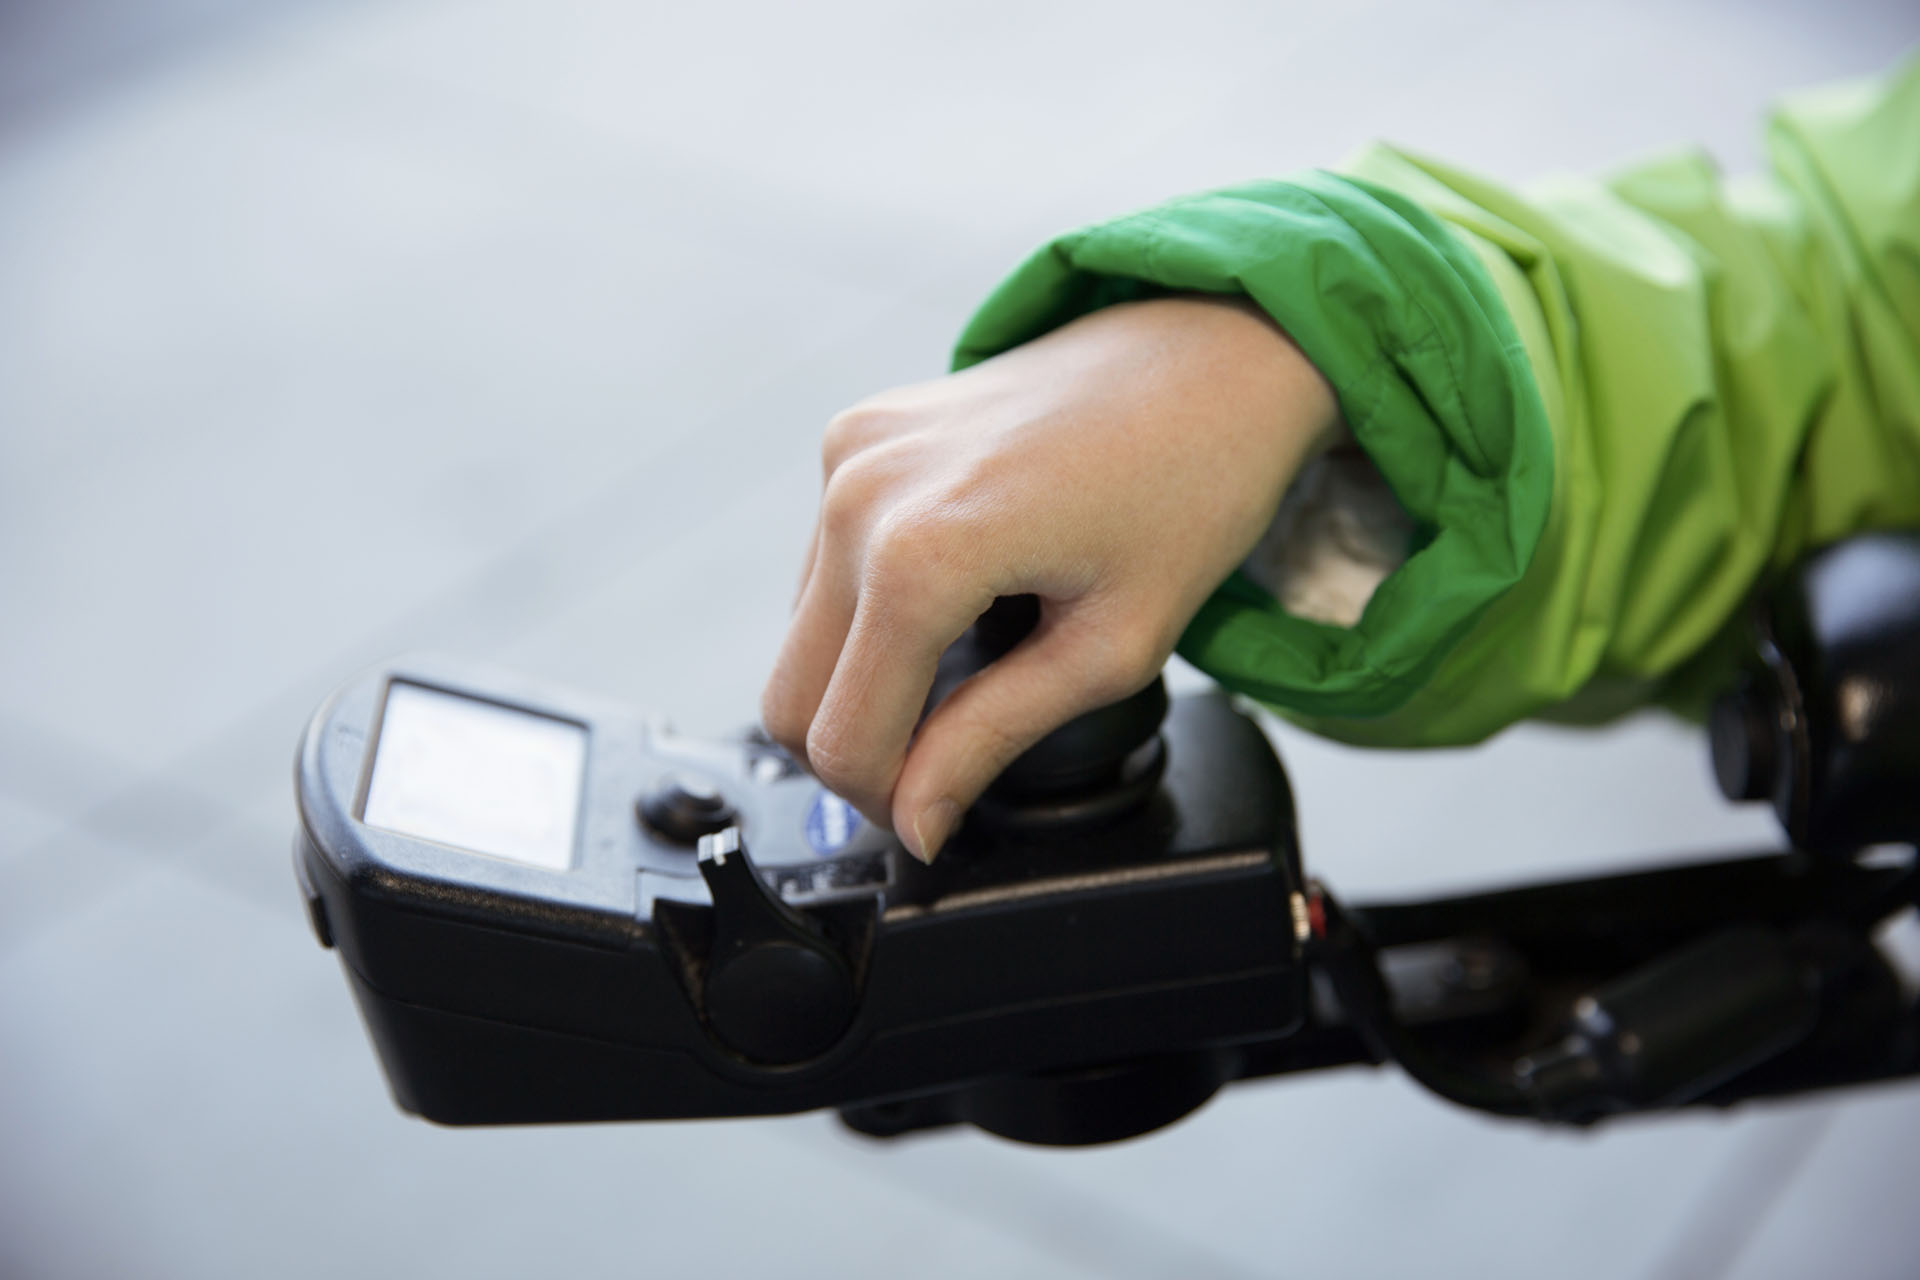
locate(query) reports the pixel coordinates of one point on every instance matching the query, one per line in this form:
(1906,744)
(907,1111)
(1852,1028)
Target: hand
(1118,468)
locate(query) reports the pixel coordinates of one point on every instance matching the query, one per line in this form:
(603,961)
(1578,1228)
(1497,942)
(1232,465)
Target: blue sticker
(832,824)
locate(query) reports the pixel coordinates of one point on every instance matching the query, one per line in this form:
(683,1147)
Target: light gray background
(333,329)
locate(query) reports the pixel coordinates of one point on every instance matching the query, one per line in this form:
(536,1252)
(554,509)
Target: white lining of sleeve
(1339,533)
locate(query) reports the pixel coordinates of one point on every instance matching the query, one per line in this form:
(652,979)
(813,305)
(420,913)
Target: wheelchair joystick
(1121,926)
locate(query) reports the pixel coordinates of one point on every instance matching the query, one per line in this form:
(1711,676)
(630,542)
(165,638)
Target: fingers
(806,566)
(829,589)
(868,713)
(807,657)
(890,585)
(1064,668)
(846,435)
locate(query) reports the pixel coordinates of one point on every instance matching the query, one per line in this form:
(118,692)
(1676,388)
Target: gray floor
(329,330)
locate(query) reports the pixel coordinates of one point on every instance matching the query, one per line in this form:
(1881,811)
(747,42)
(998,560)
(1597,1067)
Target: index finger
(867,716)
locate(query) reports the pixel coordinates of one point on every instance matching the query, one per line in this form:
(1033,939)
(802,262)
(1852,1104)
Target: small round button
(685,807)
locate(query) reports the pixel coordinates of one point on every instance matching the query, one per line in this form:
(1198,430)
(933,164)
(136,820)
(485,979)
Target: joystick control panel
(550,908)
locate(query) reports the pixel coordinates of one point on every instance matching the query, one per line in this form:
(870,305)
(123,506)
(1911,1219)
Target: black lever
(776,989)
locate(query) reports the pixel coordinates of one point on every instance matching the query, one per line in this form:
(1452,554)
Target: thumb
(1063,669)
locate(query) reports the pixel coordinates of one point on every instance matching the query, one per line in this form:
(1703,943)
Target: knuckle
(850,431)
(921,545)
(781,716)
(996,471)
(899,555)
(1124,663)
(838,765)
(852,492)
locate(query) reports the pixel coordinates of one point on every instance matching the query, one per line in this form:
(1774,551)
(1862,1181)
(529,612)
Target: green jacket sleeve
(1609,407)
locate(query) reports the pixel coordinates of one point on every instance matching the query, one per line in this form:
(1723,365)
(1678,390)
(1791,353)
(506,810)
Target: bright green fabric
(1696,380)
(1733,375)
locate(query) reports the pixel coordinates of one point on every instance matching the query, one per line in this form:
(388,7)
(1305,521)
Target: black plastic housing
(498,992)
(1826,727)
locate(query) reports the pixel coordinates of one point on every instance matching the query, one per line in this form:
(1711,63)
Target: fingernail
(931,828)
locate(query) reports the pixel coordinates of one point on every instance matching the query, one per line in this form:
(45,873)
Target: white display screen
(477,776)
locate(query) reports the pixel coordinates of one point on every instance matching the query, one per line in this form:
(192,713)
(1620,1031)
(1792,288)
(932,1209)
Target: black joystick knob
(1090,750)
(1095,766)
(777,990)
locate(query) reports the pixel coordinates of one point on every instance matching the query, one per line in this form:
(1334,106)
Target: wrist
(1255,362)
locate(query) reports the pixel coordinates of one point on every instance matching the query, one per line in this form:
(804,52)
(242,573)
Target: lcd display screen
(476,775)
